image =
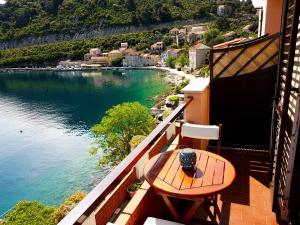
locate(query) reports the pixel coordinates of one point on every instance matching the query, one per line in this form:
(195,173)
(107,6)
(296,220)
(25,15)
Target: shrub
(30,213)
(170,62)
(174,99)
(204,71)
(179,87)
(67,206)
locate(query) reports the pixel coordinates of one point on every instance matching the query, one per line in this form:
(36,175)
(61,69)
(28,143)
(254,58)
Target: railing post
(198,110)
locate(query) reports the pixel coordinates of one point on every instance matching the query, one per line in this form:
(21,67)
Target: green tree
(210,35)
(221,23)
(168,40)
(117,62)
(182,60)
(170,61)
(119,125)
(30,213)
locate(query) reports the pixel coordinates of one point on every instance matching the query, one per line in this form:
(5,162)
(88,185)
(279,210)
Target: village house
(124,46)
(228,34)
(198,55)
(132,58)
(224,10)
(174,52)
(198,29)
(192,37)
(92,53)
(101,60)
(69,64)
(174,31)
(157,47)
(151,60)
(95,51)
(136,59)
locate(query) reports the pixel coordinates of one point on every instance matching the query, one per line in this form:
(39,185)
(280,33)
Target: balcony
(235,102)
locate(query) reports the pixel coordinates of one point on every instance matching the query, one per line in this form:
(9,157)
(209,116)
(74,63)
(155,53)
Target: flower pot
(131,193)
(134,187)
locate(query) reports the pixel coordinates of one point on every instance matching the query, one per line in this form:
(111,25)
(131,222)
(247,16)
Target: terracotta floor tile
(247,201)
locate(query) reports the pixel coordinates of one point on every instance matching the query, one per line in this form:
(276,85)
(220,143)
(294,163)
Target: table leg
(171,207)
(192,211)
(210,214)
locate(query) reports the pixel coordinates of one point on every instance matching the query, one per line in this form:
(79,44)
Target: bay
(45,120)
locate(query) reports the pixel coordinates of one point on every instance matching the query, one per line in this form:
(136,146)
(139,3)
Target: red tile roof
(234,41)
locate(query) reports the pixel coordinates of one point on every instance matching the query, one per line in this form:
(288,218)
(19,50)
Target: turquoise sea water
(44,128)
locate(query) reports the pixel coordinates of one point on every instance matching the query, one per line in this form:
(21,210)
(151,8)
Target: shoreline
(169,75)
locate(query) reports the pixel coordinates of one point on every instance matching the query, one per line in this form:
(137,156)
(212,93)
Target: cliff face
(56,20)
(28,41)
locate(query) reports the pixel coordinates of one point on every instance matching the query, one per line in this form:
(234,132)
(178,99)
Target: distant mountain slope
(34,18)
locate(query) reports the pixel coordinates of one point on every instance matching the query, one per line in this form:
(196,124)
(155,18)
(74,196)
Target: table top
(212,175)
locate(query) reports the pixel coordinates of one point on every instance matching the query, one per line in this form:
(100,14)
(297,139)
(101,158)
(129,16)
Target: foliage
(117,62)
(135,186)
(182,60)
(117,128)
(30,213)
(221,24)
(49,54)
(136,140)
(210,35)
(167,41)
(67,206)
(23,18)
(204,71)
(179,87)
(170,61)
(174,99)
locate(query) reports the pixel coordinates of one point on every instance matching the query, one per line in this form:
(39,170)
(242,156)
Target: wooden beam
(267,61)
(254,57)
(232,61)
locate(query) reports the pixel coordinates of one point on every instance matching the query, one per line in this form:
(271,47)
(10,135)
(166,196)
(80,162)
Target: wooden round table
(212,175)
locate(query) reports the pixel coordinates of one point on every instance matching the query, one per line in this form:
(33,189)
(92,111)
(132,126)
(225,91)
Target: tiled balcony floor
(248,200)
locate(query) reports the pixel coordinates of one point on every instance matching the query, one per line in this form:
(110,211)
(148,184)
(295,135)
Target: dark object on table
(187,157)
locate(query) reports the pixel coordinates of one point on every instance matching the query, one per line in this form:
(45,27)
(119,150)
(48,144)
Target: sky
(2,1)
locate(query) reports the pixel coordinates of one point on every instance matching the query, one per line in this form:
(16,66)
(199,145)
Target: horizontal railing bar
(97,195)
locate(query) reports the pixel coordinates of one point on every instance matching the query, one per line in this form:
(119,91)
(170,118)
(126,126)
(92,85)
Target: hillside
(35,18)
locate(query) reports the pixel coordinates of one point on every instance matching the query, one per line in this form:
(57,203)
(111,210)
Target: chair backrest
(204,132)
(207,132)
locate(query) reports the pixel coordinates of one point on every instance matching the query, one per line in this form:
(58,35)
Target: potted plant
(134,187)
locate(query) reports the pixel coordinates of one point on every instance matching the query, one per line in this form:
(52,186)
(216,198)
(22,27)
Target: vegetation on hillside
(23,18)
(43,55)
(69,203)
(36,213)
(30,213)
